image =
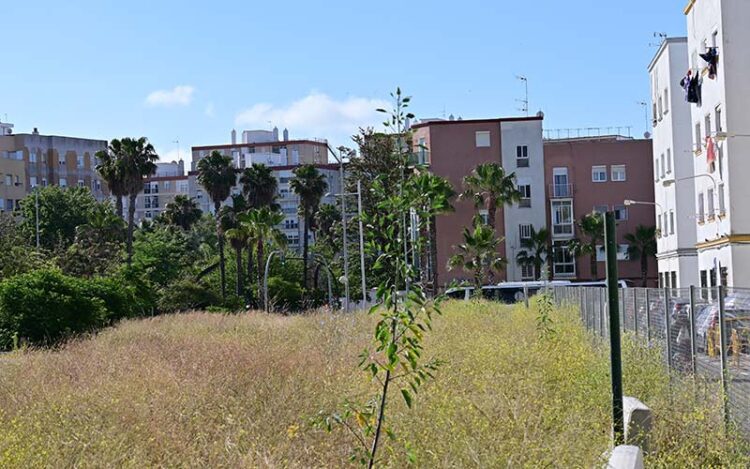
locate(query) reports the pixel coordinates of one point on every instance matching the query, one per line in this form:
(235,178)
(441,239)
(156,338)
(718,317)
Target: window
(81,183)
(560,186)
(525,190)
(659,232)
(63,182)
(32,181)
(522,156)
(291,224)
(563,261)
(167,185)
(710,203)
(669,161)
(482,138)
(8,180)
(663,165)
(527,271)
(698,138)
(601,209)
(708,125)
(621,212)
(717,120)
(722,206)
(484,215)
(661,108)
(524,231)
(148,214)
(656,168)
(666,100)
(182,187)
(671,222)
(2,204)
(599,174)
(79,161)
(562,217)
(673,274)
(618,173)
(44,182)
(32,157)
(701,208)
(422,151)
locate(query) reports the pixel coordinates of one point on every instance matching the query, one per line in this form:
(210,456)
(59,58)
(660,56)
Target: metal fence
(704,332)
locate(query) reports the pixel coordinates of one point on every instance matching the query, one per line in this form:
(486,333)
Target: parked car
(737,319)
(505,292)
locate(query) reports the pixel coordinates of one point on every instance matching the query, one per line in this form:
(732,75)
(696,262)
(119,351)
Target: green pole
(618,419)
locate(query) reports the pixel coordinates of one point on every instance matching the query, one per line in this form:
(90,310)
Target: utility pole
(361,244)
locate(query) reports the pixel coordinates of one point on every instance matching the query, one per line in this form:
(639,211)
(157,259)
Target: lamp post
(340,159)
(670,182)
(361,234)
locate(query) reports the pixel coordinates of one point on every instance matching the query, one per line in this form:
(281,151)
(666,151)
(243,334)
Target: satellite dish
(646,135)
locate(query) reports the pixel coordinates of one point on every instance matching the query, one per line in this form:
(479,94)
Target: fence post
(723,355)
(635,311)
(602,301)
(648,316)
(691,317)
(667,328)
(618,415)
(526,296)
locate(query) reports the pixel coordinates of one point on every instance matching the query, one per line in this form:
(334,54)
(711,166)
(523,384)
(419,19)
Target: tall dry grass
(207,390)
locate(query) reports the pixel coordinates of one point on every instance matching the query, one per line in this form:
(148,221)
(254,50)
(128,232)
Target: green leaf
(407,397)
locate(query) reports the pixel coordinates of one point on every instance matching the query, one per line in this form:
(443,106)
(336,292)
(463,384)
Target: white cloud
(210,111)
(167,156)
(181,95)
(316,115)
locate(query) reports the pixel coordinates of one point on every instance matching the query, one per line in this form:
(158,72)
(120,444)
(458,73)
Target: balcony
(524,202)
(562,229)
(561,191)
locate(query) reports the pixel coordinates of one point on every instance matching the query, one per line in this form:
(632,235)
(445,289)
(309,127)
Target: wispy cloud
(210,111)
(181,95)
(316,115)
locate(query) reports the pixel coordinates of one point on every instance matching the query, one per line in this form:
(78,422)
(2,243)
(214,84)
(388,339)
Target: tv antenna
(524,102)
(661,36)
(644,104)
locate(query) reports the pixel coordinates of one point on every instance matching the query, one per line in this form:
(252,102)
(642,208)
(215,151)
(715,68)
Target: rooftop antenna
(178,147)
(644,104)
(525,101)
(661,36)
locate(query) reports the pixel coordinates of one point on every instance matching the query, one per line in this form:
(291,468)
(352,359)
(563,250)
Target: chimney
(181,165)
(286,135)
(234,137)
(36,131)
(275,134)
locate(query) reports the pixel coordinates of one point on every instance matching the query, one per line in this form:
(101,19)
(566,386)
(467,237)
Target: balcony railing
(562,229)
(561,191)
(524,202)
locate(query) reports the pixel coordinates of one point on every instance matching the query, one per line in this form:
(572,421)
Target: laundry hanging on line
(692,86)
(711,56)
(710,152)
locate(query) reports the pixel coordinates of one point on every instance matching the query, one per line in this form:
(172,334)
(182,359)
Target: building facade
(673,160)
(720,124)
(159,190)
(597,174)
(12,171)
(455,148)
(49,160)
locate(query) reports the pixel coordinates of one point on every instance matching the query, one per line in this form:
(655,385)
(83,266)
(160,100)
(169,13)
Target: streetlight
(670,182)
(340,159)
(361,236)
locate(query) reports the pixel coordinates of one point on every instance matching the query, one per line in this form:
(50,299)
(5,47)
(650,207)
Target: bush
(45,306)
(284,295)
(186,294)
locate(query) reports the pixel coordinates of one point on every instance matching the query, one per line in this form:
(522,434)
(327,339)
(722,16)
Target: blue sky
(192,71)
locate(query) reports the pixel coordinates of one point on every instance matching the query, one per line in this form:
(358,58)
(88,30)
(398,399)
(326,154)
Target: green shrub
(186,294)
(284,295)
(45,305)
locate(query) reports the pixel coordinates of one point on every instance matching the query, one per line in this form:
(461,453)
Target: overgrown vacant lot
(213,390)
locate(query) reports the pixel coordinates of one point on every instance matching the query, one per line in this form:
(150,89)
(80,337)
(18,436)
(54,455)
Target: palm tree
(642,246)
(478,253)
(310,186)
(217,175)
(591,227)
(182,211)
(237,234)
(110,169)
(490,186)
(259,186)
(535,251)
(432,196)
(138,160)
(261,225)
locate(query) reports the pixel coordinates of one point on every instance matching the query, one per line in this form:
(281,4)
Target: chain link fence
(704,332)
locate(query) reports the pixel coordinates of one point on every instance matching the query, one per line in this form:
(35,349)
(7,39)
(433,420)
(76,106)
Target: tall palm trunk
(131,226)
(644,269)
(492,212)
(238,256)
(305,247)
(222,266)
(261,267)
(118,205)
(594,265)
(433,255)
(249,289)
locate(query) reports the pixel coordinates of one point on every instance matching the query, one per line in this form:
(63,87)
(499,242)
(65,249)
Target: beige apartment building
(12,172)
(49,160)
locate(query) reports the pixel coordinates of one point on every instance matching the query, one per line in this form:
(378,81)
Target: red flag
(710,151)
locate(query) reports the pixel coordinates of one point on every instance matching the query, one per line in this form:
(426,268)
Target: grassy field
(209,390)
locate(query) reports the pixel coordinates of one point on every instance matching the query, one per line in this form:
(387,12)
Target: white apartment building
(720,124)
(673,160)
